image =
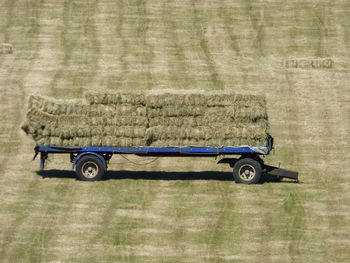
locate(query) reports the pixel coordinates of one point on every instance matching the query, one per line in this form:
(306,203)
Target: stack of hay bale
(149,119)
(206,120)
(101,120)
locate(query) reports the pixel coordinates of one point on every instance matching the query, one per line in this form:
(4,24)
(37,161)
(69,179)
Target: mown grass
(163,212)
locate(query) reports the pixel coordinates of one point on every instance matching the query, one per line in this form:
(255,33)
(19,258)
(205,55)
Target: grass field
(179,210)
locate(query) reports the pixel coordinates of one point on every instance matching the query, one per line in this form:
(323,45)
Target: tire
(247,171)
(90,168)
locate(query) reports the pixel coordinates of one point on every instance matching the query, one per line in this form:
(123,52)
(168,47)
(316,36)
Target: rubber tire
(247,161)
(90,158)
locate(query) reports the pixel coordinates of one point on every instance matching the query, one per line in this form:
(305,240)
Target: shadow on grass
(157,175)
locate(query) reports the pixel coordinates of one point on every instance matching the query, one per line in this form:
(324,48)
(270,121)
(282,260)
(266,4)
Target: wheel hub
(246,172)
(89,169)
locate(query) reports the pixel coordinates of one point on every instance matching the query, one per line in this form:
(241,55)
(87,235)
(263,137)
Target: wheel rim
(246,172)
(89,169)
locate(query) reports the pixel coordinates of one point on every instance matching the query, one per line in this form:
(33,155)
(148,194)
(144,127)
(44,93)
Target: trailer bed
(91,163)
(159,151)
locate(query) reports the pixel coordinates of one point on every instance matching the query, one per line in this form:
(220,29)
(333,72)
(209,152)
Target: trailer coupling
(282,173)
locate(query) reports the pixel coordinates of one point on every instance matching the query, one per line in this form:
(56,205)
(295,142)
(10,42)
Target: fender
(76,159)
(230,161)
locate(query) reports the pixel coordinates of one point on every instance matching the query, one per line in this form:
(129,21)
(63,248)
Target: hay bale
(6,48)
(58,107)
(40,117)
(162,98)
(66,120)
(70,131)
(122,141)
(55,141)
(116,98)
(121,131)
(173,111)
(183,121)
(168,99)
(203,133)
(249,100)
(213,120)
(207,143)
(179,143)
(164,119)
(231,99)
(220,99)
(114,141)
(104,120)
(141,121)
(238,113)
(110,110)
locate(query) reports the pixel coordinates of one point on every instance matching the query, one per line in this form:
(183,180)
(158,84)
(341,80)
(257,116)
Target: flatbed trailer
(91,163)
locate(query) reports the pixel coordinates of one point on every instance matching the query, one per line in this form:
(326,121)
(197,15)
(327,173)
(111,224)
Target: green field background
(179,210)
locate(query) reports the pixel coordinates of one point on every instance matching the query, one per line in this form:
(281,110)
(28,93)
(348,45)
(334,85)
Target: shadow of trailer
(91,163)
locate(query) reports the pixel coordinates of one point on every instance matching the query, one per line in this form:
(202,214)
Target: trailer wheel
(247,171)
(90,168)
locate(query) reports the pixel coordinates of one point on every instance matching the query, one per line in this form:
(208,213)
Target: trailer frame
(248,157)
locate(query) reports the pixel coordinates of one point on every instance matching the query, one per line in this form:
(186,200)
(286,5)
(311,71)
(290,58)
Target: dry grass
(6,48)
(64,49)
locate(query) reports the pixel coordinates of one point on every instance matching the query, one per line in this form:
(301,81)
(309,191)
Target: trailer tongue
(91,163)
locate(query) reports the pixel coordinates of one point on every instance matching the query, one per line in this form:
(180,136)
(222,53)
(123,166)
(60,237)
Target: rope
(155,159)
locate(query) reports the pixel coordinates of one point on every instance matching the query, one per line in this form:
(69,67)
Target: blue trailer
(91,163)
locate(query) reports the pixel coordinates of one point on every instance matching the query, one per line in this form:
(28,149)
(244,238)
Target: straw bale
(183,121)
(55,141)
(58,107)
(208,143)
(127,121)
(207,120)
(124,131)
(204,132)
(232,99)
(159,99)
(173,111)
(114,141)
(122,141)
(82,141)
(68,132)
(178,143)
(238,114)
(220,99)
(195,143)
(249,100)
(40,117)
(74,120)
(110,110)
(103,120)
(116,98)
(41,141)
(168,99)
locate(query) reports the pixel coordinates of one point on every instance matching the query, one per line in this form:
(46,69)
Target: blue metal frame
(180,151)
(105,153)
(42,163)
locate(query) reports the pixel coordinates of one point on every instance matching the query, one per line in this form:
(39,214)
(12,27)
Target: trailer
(91,163)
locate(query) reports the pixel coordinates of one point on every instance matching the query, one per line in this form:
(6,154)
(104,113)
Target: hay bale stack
(206,119)
(149,119)
(119,120)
